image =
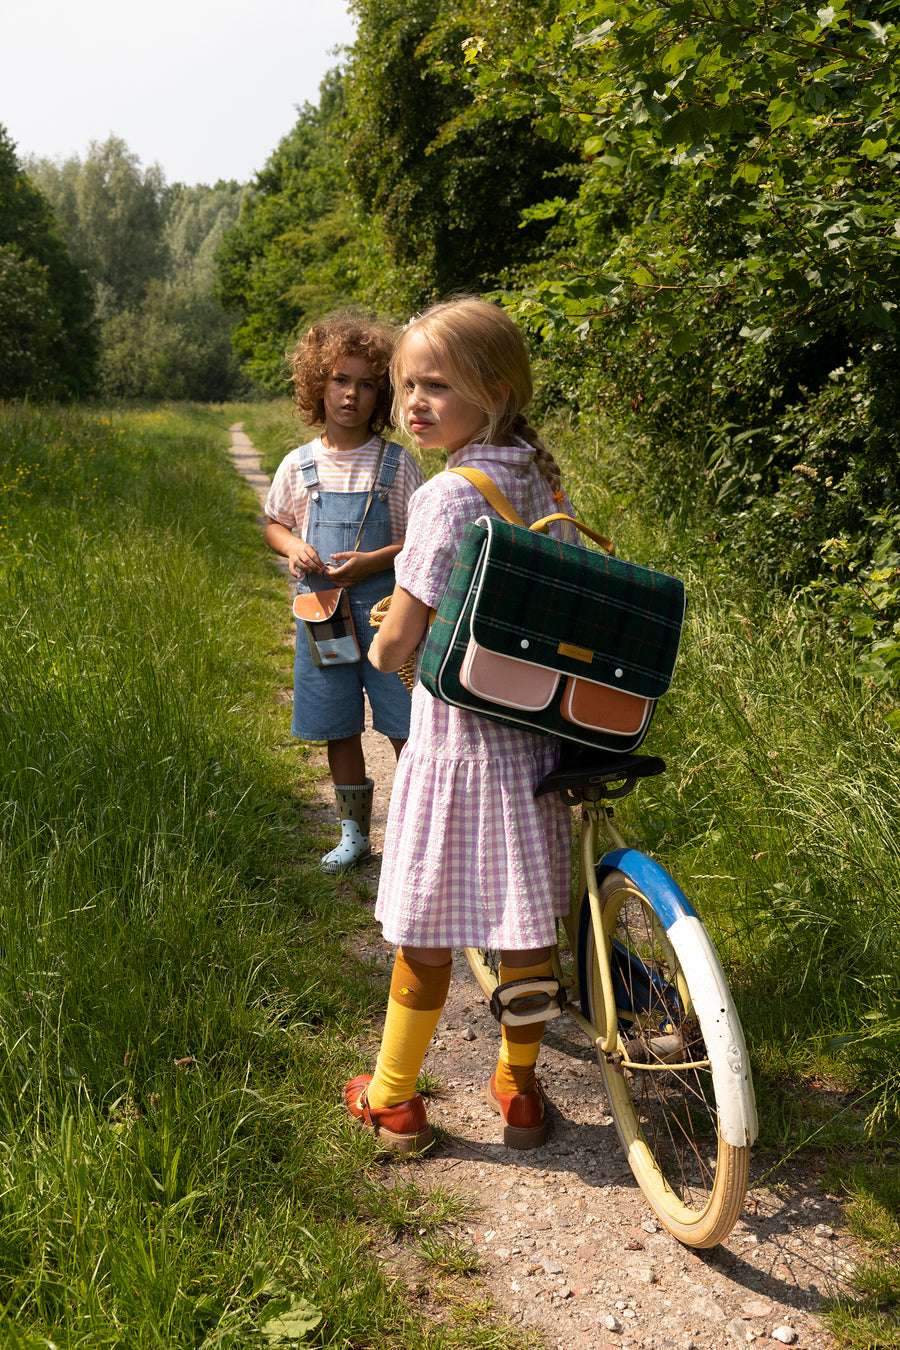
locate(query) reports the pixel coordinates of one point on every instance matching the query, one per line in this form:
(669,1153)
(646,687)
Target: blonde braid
(542,456)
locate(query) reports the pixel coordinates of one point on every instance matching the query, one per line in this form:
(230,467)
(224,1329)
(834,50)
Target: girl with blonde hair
(470,857)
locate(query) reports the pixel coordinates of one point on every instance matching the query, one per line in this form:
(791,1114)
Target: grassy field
(178,1011)
(178,1008)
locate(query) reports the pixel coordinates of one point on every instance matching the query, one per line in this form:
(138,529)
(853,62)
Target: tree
(149,249)
(770,128)
(443,177)
(29,325)
(180,324)
(47,340)
(111,212)
(395,189)
(196,219)
(288,259)
(732,244)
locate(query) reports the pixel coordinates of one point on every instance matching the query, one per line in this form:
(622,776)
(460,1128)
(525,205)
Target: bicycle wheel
(678,1082)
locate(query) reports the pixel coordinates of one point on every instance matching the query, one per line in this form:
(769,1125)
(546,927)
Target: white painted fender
(725,1044)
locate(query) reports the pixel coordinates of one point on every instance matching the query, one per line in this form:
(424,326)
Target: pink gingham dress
(471,859)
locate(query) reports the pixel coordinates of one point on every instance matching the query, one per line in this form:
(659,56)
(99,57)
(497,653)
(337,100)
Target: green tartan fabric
(521,594)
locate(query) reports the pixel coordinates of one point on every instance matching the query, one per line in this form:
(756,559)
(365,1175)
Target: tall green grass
(178,1011)
(778,811)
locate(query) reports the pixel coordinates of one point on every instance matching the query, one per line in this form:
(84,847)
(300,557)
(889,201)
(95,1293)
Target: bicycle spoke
(673,1106)
(659,1079)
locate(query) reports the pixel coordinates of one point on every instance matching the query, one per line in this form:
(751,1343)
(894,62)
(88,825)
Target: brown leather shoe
(525,1123)
(403,1128)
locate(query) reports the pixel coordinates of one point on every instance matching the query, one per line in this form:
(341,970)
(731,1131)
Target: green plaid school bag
(551,637)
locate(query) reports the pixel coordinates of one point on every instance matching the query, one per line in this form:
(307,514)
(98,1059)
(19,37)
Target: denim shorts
(328,700)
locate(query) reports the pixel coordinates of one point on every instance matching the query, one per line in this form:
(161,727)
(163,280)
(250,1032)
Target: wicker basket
(407,671)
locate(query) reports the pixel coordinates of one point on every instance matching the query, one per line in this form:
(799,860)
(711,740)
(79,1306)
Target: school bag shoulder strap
(491,494)
(495,498)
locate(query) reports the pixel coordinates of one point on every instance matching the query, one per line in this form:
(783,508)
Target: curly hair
(318,351)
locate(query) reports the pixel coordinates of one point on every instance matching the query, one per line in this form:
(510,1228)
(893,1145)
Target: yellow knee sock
(418,995)
(520,1046)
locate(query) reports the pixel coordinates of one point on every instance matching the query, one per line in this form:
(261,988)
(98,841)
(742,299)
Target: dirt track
(567,1243)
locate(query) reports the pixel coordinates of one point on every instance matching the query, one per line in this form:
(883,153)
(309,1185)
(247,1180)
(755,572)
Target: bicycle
(647,988)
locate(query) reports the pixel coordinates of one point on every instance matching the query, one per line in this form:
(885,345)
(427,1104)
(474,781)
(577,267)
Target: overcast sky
(206,90)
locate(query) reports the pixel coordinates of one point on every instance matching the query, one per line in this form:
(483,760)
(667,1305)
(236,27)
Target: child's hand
(303,558)
(345,569)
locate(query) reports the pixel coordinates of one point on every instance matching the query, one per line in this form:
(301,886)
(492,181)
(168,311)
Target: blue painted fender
(669,900)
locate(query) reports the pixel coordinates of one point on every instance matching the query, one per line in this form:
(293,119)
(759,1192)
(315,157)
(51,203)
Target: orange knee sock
(520,1046)
(418,995)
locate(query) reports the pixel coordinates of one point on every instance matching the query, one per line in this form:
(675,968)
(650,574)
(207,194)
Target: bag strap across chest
(506,511)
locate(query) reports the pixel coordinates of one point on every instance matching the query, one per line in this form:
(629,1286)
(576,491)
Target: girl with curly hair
(349,476)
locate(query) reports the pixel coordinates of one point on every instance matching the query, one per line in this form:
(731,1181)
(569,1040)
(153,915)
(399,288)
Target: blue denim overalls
(328,701)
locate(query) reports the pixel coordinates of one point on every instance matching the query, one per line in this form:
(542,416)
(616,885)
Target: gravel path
(567,1243)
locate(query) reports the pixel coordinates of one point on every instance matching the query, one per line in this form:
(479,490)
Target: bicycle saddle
(590,773)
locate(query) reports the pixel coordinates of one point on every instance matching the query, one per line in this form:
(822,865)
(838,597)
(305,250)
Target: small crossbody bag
(325,611)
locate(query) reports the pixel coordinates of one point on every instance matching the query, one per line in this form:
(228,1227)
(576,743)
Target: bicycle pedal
(517,1003)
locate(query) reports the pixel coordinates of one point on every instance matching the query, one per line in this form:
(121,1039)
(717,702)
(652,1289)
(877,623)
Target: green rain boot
(355,807)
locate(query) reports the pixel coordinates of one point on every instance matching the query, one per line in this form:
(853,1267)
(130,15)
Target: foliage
(392,191)
(175,345)
(29,324)
(177,342)
(741,156)
(150,250)
(47,341)
(110,211)
(772,130)
(728,272)
(443,182)
(288,259)
(863,596)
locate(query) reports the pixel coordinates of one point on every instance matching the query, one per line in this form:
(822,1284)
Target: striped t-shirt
(340,471)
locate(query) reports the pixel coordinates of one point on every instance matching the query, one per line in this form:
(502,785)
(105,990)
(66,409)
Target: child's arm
(353,567)
(302,557)
(401,632)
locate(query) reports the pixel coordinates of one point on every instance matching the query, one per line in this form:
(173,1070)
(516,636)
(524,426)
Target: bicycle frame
(594,815)
(593,812)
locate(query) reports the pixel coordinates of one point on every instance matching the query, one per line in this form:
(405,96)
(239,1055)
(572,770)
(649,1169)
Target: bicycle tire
(686,1131)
